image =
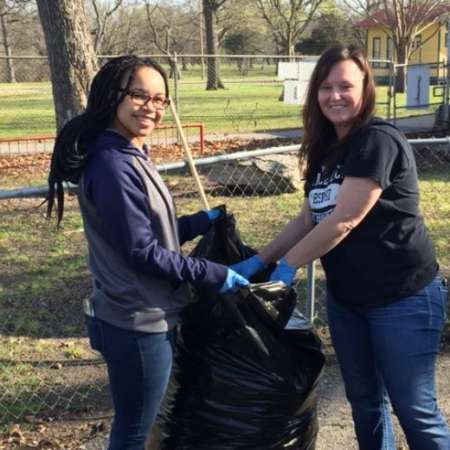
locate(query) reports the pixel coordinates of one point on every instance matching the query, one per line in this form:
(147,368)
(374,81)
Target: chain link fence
(164,135)
(46,366)
(426,90)
(226,93)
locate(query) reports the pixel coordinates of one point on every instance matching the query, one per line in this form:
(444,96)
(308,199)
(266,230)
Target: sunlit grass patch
(246,104)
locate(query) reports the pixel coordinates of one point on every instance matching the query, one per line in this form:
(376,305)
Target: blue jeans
(139,366)
(390,353)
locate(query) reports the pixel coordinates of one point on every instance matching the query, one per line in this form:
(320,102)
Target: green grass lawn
(27,109)
(248,105)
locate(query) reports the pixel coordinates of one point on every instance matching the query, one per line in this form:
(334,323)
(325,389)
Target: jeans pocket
(95,333)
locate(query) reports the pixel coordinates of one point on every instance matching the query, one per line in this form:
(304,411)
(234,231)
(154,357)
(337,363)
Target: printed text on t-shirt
(323,194)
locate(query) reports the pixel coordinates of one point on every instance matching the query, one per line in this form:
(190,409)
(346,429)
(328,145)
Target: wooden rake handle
(188,155)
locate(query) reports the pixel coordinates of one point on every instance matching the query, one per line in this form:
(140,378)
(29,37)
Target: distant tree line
(165,27)
(73,32)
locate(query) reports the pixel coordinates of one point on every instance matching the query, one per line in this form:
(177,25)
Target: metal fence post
(310,290)
(175,83)
(445,99)
(445,113)
(200,23)
(391,90)
(175,90)
(394,93)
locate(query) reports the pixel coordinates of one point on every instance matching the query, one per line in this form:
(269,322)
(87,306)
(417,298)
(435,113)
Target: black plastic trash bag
(246,366)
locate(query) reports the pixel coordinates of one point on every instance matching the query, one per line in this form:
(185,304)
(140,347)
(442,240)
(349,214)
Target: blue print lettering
(320,197)
(318,217)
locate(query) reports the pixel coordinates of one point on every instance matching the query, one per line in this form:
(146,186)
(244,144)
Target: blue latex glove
(249,267)
(233,282)
(213,214)
(284,272)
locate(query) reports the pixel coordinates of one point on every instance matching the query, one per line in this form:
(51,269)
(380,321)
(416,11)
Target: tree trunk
(174,70)
(290,46)
(239,64)
(400,82)
(70,54)
(213,76)
(400,77)
(10,74)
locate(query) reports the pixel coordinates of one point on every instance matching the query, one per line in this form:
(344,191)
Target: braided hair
(72,144)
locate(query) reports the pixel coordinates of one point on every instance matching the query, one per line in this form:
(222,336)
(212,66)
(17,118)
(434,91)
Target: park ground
(42,266)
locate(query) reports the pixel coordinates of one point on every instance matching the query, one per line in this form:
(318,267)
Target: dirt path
(336,427)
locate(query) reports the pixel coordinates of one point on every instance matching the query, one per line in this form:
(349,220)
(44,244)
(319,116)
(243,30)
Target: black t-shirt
(389,255)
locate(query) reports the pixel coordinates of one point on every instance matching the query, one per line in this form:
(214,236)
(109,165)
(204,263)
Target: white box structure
(296,76)
(418,86)
(288,71)
(291,92)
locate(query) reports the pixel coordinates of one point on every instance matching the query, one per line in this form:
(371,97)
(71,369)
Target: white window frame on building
(376,52)
(389,49)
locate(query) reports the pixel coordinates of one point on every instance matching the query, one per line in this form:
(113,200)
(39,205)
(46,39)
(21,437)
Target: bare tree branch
(102,20)
(404,21)
(167,30)
(150,10)
(287,19)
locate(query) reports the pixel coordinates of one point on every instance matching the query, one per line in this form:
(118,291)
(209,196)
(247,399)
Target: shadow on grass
(433,166)
(42,307)
(56,398)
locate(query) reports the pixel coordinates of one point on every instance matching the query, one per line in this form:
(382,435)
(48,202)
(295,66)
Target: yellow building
(429,47)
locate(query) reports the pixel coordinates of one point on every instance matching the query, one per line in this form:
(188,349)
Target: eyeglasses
(140,98)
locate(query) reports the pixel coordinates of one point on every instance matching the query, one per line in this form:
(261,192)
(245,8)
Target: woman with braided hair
(134,238)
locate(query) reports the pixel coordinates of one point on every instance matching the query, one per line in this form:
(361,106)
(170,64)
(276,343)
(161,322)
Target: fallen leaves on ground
(20,169)
(52,435)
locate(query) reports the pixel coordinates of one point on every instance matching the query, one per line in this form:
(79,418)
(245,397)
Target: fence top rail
(435,141)
(228,56)
(246,154)
(38,137)
(229,157)
(188,55)
(47,137)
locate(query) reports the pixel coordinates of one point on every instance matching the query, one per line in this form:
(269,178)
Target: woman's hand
(284,272)
(213,214)
(249,267)
(233,282)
